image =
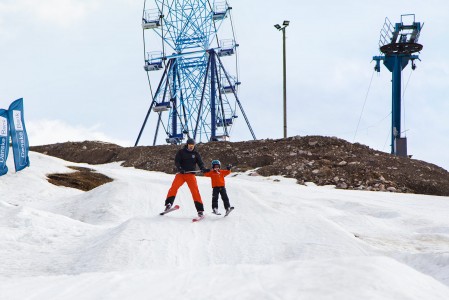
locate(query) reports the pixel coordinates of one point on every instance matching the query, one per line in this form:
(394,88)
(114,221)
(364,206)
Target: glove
(182,171)
(204,170)
(228,167)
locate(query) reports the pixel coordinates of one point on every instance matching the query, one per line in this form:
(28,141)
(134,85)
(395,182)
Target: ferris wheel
(196,71)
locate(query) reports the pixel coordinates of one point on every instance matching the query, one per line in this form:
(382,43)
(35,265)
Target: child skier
(218,184)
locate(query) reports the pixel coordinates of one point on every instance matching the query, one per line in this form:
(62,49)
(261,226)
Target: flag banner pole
(20,144)
(4,141)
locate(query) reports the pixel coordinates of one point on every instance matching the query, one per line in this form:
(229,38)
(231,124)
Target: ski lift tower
(196,95)
(398,43)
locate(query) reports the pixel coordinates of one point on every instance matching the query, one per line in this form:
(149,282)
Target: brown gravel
(318,159)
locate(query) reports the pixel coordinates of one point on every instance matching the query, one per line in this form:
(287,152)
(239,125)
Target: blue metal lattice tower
(197,95)
(398,42)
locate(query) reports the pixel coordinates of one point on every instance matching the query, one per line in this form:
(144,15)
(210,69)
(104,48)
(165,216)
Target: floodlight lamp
(277,26)
(286,23)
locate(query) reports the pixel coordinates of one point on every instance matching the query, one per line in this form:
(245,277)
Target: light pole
(282,28)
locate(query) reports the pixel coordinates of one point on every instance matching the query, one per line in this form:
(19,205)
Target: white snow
(283,240)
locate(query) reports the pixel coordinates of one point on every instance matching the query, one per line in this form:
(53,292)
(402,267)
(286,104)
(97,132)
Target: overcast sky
(78,66)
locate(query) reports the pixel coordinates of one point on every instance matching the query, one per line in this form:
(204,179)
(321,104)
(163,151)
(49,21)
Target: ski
(197,219)
(176,207)
(229,211)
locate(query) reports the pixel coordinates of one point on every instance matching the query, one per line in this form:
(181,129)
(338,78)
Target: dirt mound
(318,159)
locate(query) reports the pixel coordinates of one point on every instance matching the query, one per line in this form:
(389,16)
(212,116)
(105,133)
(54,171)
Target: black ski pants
(224,196)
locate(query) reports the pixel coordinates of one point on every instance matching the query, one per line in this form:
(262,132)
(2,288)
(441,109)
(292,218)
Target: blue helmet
(216,162)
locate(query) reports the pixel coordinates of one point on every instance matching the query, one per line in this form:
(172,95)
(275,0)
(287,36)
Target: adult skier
(186,160)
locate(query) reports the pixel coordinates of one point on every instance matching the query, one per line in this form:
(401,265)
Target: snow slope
(283,241)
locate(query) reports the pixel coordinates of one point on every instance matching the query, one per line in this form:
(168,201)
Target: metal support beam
(285,82)
(398,52)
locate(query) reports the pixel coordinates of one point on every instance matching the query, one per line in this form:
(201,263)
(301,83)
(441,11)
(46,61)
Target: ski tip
(177,206)
(228,212)
(197,219)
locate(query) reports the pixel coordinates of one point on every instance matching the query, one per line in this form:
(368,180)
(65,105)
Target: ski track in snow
(283,240)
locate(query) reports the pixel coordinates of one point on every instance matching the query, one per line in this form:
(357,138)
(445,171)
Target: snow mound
(283,241)
(316,279)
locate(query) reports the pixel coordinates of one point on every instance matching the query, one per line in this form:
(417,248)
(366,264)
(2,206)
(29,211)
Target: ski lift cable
(363,107)
(375,124)
(403,98)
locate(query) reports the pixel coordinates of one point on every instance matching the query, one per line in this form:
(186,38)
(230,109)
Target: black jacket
(187,160)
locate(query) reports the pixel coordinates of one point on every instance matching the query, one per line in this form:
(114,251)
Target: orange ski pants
(179,180)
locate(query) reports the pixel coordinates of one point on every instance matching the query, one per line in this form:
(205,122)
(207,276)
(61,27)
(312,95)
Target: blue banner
(20,145)
(4,141)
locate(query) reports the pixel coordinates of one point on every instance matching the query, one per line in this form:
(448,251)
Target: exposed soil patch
(318,159)
(84,179)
